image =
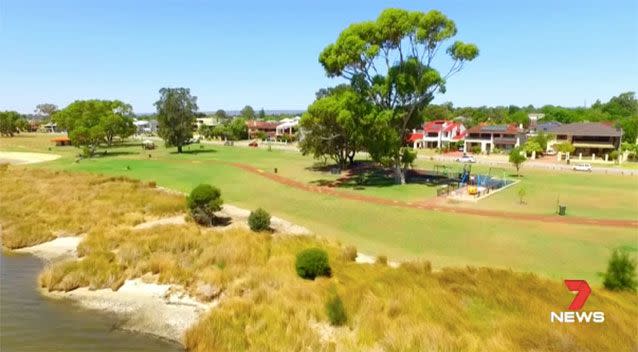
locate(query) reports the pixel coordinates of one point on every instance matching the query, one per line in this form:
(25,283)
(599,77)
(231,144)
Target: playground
(458,183)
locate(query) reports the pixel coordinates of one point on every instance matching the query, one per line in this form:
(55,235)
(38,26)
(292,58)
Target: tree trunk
(179,149)
(351,158)
(399,175)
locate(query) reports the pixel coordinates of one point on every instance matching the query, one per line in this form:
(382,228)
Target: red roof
(415,137)
(437,125)
(262,125)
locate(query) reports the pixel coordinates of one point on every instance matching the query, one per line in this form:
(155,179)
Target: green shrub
(476,149)
(203,202)
(259,220)
(614,155)
(335,310)
(311,263)
(621,272)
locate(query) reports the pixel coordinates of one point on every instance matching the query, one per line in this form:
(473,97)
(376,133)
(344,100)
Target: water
(31,322)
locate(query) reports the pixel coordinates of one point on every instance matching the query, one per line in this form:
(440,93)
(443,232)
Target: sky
(265,53)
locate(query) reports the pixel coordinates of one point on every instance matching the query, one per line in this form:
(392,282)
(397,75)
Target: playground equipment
(465,175)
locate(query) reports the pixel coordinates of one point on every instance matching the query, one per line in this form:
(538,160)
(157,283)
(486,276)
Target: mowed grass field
(555,250)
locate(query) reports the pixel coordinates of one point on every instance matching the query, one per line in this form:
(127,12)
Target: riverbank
(164,310)
(32,322)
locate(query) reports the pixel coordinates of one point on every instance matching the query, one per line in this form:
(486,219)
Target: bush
(335,310)
(476,149)
(621,272)
(311,263)
(203,202)
(614,155)
(350,253)
(259,220)
(382,259)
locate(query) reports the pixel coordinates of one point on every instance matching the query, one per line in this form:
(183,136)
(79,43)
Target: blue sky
(264,53)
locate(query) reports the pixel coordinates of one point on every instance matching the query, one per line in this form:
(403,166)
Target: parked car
(466,159)
(582,167)
(253,144)
(551,152)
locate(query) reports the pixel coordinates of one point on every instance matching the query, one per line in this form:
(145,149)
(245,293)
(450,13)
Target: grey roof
(547,126)
(587,129)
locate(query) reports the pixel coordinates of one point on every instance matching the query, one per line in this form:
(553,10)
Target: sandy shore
(160,310)
(59,248)
(26,158)
(144,307)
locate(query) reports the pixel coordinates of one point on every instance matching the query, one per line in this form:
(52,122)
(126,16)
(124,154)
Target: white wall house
(490,137)
(437,134)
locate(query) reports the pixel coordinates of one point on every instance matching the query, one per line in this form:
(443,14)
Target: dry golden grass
(266,307)
(33,211)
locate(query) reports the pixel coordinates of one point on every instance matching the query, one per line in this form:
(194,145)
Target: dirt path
(434,206)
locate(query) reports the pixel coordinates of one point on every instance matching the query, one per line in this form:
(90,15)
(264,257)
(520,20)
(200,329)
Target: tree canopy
(176,111)
(92,122)
(46,110)
(247,112)
(11,123)
(389,63)
(332,125)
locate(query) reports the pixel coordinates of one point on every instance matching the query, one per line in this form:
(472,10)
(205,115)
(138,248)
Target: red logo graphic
(583,290)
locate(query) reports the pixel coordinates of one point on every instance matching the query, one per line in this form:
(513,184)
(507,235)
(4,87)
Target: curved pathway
(432,206)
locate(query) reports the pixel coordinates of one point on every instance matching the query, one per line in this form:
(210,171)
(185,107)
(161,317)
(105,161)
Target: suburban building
(145,126)
(488,137)
(288,126)
(206,121)
(589,138)
(437,134)
(255,128)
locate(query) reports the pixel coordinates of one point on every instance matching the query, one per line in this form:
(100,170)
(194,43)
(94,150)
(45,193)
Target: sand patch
(368,259)
(144,307)
(26,158)
(278,224)
(58,248)
(173,220)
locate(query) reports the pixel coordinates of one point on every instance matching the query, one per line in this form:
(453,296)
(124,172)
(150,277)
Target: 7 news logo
(574,316)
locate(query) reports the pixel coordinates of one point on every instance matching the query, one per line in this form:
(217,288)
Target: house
(589,138)
(287,126)
(256,128)
(488,137)
(206,121)
(50,127)
(437,134)
(145,126)
(547,126)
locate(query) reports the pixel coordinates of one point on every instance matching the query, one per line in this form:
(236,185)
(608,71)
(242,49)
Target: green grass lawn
(555,250)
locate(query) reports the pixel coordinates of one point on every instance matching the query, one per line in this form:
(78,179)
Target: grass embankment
(265,306)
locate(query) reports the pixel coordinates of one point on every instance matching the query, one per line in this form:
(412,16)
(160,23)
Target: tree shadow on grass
(222,220)
(114,153)
(194,151)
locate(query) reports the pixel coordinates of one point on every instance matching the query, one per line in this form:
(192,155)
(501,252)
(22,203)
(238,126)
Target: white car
(582,167)
(466,159)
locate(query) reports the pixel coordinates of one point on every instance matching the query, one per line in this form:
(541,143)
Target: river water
(32,322)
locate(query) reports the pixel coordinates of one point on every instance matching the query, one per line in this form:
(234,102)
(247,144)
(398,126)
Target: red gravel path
(432,206)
